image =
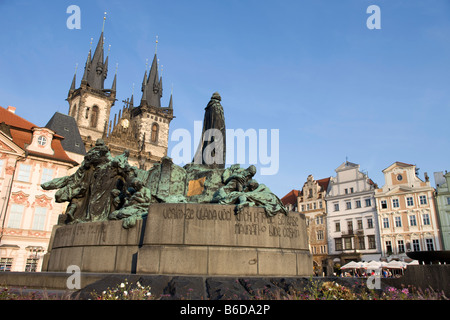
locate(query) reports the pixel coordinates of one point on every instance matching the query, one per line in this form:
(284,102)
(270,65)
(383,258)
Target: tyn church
(143,130)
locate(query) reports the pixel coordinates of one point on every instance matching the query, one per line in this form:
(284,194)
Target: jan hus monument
(200,219)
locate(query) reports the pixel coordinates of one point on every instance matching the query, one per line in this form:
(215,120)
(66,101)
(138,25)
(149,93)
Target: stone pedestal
(187,239)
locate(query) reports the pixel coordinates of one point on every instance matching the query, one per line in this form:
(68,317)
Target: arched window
(74,111)
(94,117)
(154,136)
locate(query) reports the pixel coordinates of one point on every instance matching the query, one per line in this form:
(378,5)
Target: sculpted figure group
(109,188)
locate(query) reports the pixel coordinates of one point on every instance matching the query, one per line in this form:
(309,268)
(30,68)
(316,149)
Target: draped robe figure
(212,147)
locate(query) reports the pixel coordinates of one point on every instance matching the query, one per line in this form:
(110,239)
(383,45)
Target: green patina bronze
(109,188)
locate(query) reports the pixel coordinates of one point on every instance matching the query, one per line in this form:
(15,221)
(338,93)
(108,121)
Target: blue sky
(311,69)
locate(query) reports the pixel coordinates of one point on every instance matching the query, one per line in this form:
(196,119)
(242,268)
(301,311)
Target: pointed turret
(74,80)
(86,68)
(152,87)
(98,69)
(170,102)
(113,88)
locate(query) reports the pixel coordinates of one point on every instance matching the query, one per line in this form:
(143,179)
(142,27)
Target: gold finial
(156,46)
(90,46)
(109,48)
(104,18)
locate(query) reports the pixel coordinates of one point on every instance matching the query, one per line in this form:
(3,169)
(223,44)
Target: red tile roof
(22,134)
(324,183)
(291,197)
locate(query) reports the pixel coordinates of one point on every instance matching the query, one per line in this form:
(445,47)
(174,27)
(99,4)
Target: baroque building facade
(311,203)
(352,221)
(406,211)
(29,155)
(142,130)
(443,206)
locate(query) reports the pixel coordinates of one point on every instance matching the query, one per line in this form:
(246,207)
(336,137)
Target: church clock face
(399,177)
(125,123)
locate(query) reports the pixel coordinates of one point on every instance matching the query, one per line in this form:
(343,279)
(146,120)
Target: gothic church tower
(91,103)
(142,130)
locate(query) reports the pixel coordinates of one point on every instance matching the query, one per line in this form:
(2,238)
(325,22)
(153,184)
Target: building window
(383,204)
(351,190)
(412,221)
(409,201)
(94,117)
(426,219)
(430,245)
(416,245)
(388,247)
(348,243)
(395,203)
(40,215)
(361,245)
(369,223)
(360,224)
(423,199)
(368,202)
(448,200)
(348,205)
(401,246)
(42,141)
(320,204)
(24,173)
(338,244)
(31,265)
(319,234)
(372,243)
(154,137)
(15,216)
(386,223)
(47,175)
(338,226)
(398,222)
(5,264)
(336,207)
(303,207)
(314,205)
(346,191)
(358,203)
(350,225)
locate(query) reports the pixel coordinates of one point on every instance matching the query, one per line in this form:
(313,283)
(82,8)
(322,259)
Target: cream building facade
(29,156)
(407,213)
(311,203)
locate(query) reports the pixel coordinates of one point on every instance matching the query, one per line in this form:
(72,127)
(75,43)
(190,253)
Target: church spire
(74,80)
(96,68)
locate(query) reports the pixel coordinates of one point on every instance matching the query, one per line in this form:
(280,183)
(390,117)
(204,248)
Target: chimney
(11,109)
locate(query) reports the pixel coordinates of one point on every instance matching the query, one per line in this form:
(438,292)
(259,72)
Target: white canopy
(352,265)
(395,265)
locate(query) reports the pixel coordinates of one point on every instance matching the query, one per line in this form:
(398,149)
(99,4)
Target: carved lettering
(248,223)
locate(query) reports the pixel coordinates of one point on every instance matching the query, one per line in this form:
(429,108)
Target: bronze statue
(212,147)
(109,188)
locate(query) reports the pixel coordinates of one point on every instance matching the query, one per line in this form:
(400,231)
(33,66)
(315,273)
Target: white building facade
(352,223)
